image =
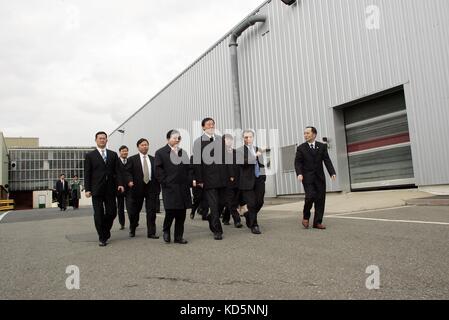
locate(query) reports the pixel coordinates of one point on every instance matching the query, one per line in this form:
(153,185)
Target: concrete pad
(358,201)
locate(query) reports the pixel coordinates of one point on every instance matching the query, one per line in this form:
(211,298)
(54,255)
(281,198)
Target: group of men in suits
(63,190)
(226,177)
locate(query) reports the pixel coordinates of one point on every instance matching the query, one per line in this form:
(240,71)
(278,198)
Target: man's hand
(130,184)
(232,179)
(194,183)
(334,177)
(261,150)
(88,194)
(121,189)
(300,178)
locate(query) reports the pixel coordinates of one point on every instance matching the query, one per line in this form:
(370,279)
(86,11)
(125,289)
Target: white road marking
(388,220)
(3,215)
(366,211)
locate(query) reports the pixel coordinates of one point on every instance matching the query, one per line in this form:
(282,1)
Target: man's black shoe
(255,230)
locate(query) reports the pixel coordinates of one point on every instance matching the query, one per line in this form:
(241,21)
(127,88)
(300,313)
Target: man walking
(102,178)
(252,179)
(232,195)
(309,160)
(173,172)
(75,189)
(142,183)
(211,173)
(62,190)
(122,196)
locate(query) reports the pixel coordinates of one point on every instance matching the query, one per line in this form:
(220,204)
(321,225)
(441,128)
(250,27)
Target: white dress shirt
(252,148)
(174,149)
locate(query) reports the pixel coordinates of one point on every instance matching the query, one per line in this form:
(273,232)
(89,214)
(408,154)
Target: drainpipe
(235,65)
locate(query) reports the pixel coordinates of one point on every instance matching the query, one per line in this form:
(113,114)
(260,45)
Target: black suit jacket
(134,173)
(233,170)
(247,164)
(123,168)
(309,162)
(209,162)
(174,177)
(100,178)
(60,189)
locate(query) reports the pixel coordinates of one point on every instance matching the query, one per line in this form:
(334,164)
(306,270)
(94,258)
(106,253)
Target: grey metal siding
(318,55)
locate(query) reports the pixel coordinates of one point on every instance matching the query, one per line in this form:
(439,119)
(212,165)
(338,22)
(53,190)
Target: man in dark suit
(103,176)
(198,202)
(252,179)
(122,196)
(309,160)
(211,173)
(173,172)
(62,190)
(232,195)
(143,185)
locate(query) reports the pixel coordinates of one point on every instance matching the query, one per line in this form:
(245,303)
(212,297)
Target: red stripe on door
(379,142)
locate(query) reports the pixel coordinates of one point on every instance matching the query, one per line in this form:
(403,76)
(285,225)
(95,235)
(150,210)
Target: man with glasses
(252,179)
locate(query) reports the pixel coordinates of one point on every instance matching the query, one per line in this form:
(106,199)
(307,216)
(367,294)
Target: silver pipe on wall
(235,34)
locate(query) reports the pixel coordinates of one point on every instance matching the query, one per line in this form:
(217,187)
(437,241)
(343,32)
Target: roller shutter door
(378,143)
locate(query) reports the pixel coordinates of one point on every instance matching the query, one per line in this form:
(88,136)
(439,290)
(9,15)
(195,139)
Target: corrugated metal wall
(309,58)
(428,91)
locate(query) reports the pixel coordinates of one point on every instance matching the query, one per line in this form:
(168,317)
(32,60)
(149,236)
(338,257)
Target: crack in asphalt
(230,282)
(192,281)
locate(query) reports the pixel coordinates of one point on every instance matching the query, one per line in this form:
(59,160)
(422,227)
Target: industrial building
(371,76)
(34,170)
(21,142)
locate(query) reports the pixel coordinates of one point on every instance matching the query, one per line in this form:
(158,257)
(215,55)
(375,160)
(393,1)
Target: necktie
(257,167)
(211,139)
(312,147)
(146,171)
(124,161)
(103,154)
